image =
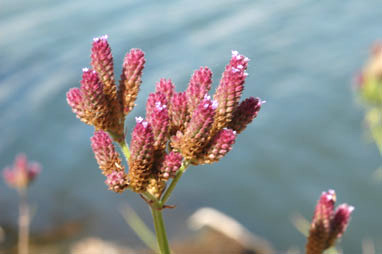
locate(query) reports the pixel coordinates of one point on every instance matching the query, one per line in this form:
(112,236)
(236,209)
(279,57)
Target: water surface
(307,138)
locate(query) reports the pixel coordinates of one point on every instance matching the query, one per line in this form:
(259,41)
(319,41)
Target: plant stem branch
(160,230)
(23,223)
(156,210)
(178,175)
(125,149)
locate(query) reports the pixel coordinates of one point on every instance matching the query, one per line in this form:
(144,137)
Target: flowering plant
(328,225)
(19,177)
(369,82)
(180,128)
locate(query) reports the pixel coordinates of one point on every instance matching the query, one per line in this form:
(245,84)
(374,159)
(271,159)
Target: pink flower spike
(91,86)
(142,139)
(102,63)
(197,132)
(178,112)
(201,119)
(230,89)
(327,226)
(198,87)
(75,100)
(157,116)
(245,113)
(220,145)
(155,102)
(142,156)
(325,209)
(131,78)
(166,87)
(22,174)
(340,220)
(104,151)
(94,100)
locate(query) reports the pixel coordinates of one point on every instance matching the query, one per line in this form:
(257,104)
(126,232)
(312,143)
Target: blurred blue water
(307,138)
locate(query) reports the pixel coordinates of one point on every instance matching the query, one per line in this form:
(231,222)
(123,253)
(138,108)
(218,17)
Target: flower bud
(142,155)
(229,90)
(198,87)
(22,174)
(219,146)
(131,78)
(245,113)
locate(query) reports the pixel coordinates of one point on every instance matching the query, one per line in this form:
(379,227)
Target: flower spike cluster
(22,173)
(179,127)
(99,102)
(328,224)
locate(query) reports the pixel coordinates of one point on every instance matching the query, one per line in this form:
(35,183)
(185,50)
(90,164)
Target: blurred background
(307,138)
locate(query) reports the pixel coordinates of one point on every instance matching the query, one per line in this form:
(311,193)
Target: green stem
(178,175)
(156,210)
(160,230)
(125,149)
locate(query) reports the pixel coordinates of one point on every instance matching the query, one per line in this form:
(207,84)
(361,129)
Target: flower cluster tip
(189,126)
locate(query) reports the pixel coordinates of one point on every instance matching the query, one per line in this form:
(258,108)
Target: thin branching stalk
(160,230)
(179,174)
(24,219)
(125,149)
